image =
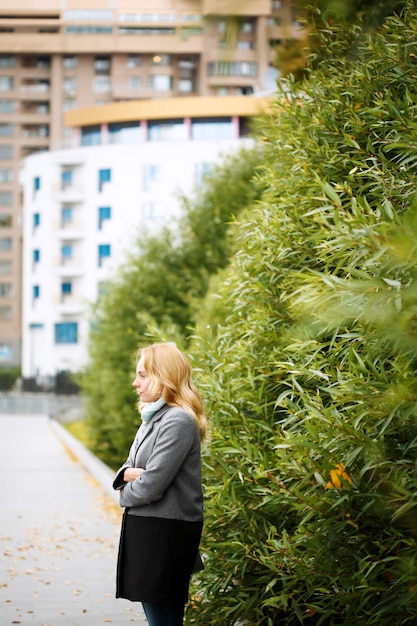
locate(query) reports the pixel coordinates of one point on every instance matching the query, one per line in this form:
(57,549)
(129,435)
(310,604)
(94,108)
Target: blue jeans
(163,613)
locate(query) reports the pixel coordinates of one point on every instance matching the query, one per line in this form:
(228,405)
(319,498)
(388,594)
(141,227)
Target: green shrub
(8,378)
(311,477)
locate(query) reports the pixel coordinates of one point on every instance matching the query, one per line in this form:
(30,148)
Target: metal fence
(64,408)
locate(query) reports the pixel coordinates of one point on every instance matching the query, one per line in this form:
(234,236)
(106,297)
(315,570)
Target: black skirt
(156,559)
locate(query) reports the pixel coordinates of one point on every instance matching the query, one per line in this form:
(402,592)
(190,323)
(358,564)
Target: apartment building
(86,206)
(58,55)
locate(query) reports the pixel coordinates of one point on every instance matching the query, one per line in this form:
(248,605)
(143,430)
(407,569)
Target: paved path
(59,531)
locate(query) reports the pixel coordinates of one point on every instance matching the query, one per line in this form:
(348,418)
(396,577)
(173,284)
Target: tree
(310,475)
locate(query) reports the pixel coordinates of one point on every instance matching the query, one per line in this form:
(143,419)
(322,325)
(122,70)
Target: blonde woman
(160,488)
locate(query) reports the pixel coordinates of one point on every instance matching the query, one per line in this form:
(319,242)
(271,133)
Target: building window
(6,60)
(6,352)
(36,291)
(5,267)
(5,243)
(36,220)
(185,85)
(91,15)
(6,130)
(66,332)
(104,177)
(66,289)
(7,106)
(162,59)
(6,153)
(6,83)
(151,175)
(5,312)
(91,136)
(101,84)
(67,105)
(5,290)
(6,175)
(161,82)
(66,179)
(6,220)
(276,5)
(125,132)
(226,68)
(36,183)
(133,82)
(89,30)
(6,198)
(69,86)
(104,252)
(102,66)
(170,130)
(212,128)
(104,213)
(36,256)
(134,60)
(70,62)
(148,211)
(66,253)
(66,216)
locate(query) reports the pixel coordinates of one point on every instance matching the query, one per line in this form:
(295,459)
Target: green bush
(8,378)
(311,476)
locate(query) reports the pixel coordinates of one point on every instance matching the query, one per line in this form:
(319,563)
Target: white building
(85,206)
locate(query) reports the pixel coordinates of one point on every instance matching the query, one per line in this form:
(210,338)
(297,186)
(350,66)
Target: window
(6,130)
(66,289)
(104,252)
(36,183)
(161,59)
(6,175)
(89,30)
(148,211)
(5,312)
(36,220)
(66,179)
(102,66)
(69,86)
(150,175)
(6,198)
(66,332)
(212,128)
(67,105)
(6,60)
(104,213)
(125,132)
(84,15)
(66,253)
(5,267)
(161,82)
(7,106)
(6,153)
(36,256)
(5,290)
(101,84)
(104,176)
(5,243)
(70,62)
(276,5)
(66,216)
(133,60)
(6,220)
(91,136)
(6,83)
(168,130)
(6,352)
(36,290)
(185,85)
(133,82)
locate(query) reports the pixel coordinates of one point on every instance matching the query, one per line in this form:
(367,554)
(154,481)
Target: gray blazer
(168,449)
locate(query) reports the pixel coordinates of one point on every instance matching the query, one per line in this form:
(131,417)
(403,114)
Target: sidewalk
(59,530)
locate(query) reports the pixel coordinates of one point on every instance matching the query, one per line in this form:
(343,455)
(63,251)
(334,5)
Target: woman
(160,488)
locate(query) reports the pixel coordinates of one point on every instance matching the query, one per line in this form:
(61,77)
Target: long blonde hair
(170,374)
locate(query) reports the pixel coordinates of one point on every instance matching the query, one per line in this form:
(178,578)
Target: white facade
(76,231)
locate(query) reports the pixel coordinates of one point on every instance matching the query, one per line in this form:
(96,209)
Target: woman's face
(142,383)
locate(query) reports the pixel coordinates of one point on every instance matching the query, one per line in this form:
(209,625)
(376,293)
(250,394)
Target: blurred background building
(59,55)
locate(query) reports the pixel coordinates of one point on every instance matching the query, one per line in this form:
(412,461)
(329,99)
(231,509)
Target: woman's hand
(131,473)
